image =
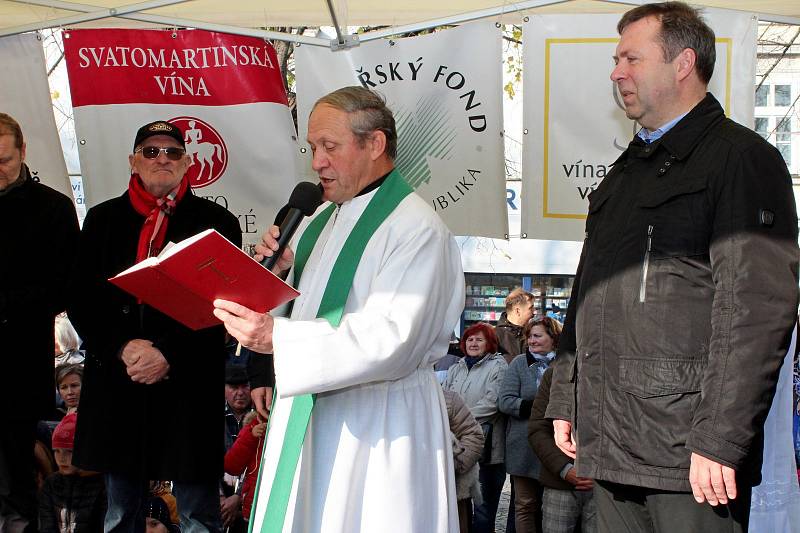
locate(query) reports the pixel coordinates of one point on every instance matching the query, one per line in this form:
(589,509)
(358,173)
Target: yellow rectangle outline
(594,40)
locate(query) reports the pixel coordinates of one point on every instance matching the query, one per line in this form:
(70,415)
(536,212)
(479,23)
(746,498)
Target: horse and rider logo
(205,147)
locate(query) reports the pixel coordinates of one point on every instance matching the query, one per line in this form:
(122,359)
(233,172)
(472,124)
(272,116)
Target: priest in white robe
(377,453)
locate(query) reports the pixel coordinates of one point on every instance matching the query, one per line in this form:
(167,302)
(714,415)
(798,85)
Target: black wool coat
(170,430)
(38,240)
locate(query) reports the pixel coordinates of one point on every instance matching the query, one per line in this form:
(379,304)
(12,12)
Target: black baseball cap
(235,374)
(159,127)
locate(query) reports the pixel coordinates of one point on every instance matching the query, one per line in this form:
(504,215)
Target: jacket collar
(504,322)
(487,357)
(681,139)
(684,136)
(21,186)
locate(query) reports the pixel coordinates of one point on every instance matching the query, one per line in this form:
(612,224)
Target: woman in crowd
(516,399)
(467,437)
(567,502)
(68,381)
(477,378)
(67,343)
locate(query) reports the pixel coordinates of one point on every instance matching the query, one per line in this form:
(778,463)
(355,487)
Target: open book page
(169,250)
(173,248)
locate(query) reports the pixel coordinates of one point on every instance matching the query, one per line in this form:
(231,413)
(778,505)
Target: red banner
(188,67)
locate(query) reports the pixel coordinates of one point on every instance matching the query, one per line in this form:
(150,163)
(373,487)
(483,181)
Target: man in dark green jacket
(684,299)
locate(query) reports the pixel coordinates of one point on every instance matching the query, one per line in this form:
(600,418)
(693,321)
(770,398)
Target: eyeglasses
(151,152)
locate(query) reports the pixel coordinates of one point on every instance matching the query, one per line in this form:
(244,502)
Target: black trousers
(18,503)
(629,509)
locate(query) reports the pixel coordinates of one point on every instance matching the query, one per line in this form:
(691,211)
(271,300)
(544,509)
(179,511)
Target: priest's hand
(253,330)
(711,481)
(269,245)
(562,430)
(145,363)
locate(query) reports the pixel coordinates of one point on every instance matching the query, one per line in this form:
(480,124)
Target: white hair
(66,336)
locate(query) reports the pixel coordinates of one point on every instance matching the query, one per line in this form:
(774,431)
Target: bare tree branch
(775,64)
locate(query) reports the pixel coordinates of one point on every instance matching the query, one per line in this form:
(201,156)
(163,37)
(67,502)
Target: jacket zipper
(646,265)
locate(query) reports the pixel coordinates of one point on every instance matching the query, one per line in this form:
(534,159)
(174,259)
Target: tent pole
(332,11)
(164,21)
(457,19)
(99,13)
(314,41)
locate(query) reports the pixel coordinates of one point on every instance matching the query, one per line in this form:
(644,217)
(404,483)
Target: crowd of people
(518,442)
(643,412)
(494,428)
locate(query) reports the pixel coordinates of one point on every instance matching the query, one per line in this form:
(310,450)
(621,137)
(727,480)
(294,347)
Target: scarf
(539,363)
(156,212)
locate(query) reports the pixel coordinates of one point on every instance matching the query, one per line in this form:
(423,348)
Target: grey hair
(368,113)
(66,336)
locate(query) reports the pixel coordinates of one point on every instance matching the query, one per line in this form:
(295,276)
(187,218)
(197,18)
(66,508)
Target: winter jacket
(244,457)
(683,305)
(516,399)
(169,430)
(479,388)
(510,338)
(72,504)
(542,442)
(468,441)
(38,243)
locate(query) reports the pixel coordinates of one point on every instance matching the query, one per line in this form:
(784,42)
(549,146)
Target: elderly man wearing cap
(150,408)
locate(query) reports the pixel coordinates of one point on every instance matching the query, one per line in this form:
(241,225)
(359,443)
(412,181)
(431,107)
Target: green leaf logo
(423,132)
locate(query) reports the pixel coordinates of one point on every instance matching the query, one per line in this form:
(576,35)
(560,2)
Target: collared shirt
(652,136)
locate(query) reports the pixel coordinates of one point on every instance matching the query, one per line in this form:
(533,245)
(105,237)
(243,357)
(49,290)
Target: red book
(186,278)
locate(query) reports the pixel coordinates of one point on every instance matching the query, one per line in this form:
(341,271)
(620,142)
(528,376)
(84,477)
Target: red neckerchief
(156,212)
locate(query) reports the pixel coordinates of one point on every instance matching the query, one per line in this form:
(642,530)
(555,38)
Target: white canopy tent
(244,17)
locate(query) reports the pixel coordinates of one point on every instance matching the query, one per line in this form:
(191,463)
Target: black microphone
(305,199)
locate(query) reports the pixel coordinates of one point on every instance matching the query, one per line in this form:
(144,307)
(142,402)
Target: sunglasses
(151,152)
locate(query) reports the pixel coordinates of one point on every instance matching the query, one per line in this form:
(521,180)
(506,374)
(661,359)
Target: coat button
(126,309)
(647,150)
(667,163)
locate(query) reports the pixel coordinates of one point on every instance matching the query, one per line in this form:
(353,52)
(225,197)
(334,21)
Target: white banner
(224,91)
(445,90)
(576,125)
(25,95)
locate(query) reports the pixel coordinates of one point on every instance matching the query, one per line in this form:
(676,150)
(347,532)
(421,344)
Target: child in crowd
(72,500)
(244,457)
(158,517)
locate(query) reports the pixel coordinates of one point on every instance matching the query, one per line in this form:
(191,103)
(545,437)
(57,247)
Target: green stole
(331,307)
